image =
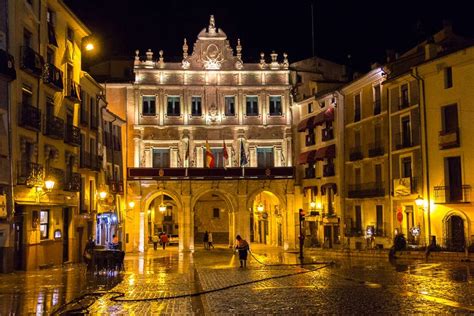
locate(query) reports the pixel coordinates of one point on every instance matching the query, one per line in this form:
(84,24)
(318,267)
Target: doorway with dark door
(66,222)
(455,239)
(328,236)
(19,246)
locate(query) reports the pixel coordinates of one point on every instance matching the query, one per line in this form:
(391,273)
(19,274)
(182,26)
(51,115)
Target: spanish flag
(210,161)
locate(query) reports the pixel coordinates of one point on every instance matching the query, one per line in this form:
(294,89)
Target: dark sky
(363,29)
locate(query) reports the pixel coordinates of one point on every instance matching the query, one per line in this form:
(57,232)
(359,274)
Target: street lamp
(312,205)
(131,204)
(49,185)
(419,201)
(102,194)
(162,206)
(260,207)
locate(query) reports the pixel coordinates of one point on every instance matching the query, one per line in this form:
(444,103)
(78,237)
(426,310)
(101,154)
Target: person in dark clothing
(88,252)
(242,247)
(206,240)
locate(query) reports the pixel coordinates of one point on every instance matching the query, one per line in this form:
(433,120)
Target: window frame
(226,105)
(44,223)
(196,104)
(215,211)
(357,105)
(448,77)
(265,150)
(149,100)
(176,103)
(276,106)
(253,101)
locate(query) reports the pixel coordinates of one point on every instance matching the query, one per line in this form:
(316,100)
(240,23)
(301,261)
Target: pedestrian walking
(242,247)
(164,240)
(206,240)
(210,240)
(155,240)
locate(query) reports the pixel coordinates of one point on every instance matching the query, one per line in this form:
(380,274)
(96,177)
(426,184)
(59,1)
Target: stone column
(242,218)
(186,225)
(231,228)
(289,225)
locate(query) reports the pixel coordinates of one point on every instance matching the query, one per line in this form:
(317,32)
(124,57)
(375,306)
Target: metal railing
(30,173)
(73,90)
(85,160)
(445,194)
(73,135)
(53,77)
(448,139)
(366,190)
(54,127)
(31,61)
(376,149)
(355,153)
(30,117)
(403,140)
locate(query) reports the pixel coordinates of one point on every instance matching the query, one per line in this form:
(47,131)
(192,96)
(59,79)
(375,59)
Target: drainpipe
(421,82)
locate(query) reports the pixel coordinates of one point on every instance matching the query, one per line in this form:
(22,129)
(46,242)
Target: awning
(307,157)
(305,124)
(329,115)
(326,152)
(319,119)
(326,186)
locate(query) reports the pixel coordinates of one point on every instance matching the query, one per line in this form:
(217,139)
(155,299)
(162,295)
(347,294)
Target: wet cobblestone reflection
(348,286)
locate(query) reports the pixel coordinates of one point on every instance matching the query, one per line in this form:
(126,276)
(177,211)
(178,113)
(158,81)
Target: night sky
(363,29)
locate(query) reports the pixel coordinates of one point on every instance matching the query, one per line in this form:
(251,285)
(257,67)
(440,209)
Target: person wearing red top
(164,240)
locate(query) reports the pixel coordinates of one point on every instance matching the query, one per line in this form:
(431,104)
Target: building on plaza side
(367,196)
(211,104)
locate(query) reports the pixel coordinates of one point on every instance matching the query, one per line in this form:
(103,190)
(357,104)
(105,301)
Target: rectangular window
(229,105)
(406,167)
(44,224)
(27,95)
(310,107)
(173,106)
(406,131)
(357,108)
(377,100)
(251,106)
(275,106)
(358,219)
(161,158)
(450,118)
(453,178)
(51,17)
(196,109)
(265,157)
(82,196)
(93,147)
(404,99)
(378,175)
(357,177)
(216,213)
(148,105)
(448,77)
(92,109)
(50,56)
(70,34)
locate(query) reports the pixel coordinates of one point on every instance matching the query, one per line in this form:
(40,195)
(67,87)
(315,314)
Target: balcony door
(265,157)
(406,131)
(453,176)
(161,158)
(450,118)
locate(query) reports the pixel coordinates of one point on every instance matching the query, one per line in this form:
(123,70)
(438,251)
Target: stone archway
(266,219)
(456,231)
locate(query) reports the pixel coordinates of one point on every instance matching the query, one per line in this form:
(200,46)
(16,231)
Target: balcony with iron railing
(30,117)
(452,195)
(54,127)
(403,140)
(355,153)
(327,134)
(31,61)
(449,139)
(329,170)
(7,65)
(72,182)
(30,173)
(376,149)
(73,91)
(366,190)
(73,135)
(53,77)
(212,173)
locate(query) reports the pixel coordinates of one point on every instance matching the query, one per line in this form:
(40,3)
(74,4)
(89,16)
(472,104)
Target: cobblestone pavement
(152,281)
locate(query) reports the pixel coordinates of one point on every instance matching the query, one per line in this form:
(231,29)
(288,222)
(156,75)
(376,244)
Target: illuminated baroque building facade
(241,112)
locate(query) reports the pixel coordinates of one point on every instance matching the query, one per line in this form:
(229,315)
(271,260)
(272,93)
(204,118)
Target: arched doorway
(212,213)
(266,219)
(455,234)
(161,216)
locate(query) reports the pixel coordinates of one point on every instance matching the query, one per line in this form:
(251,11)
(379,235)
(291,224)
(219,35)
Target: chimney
(431,49)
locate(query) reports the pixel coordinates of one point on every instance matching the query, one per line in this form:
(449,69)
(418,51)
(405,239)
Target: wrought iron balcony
(446,194)
(73,135)
(355,153)
(234,173)
(73,91)
(328,134)
(7,65)
(53,77)
(57,175)
(366,190)
(30,173)
(403,141)
(449,139)
(329,170)
(54,127)
(73,182)
(376,149)
(31,61)
(30,117)
(309,173)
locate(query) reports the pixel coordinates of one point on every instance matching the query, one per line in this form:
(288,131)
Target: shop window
(44,224)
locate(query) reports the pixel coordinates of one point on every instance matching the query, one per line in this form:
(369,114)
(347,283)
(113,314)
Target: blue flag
(243,156)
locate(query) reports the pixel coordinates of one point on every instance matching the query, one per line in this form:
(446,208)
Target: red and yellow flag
(210,161)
